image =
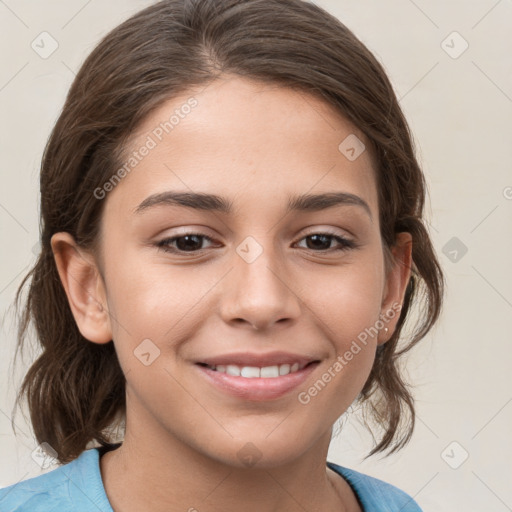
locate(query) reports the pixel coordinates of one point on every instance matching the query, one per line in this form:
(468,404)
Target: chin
(261,452)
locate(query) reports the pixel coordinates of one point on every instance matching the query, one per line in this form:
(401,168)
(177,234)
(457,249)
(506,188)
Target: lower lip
(257,388)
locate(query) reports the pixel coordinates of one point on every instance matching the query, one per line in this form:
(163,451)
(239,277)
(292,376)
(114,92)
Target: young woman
(232,239)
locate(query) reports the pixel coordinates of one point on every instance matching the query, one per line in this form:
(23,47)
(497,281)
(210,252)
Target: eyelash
(346,244)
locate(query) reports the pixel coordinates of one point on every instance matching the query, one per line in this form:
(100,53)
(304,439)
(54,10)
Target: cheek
(346,313)
(345,304)
(148,302)
(346,300)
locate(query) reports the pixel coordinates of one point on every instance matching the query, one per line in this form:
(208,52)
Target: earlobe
(84,288)
(396,285)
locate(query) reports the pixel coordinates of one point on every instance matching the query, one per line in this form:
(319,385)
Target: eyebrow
(215,203)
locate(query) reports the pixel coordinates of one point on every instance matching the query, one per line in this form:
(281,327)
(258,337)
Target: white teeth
(231,369)
(269,371)
(252,372)
(284,369)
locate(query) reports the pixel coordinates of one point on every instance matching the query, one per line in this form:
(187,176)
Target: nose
(260,293)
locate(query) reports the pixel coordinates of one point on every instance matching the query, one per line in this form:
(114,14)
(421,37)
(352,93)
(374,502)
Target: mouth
(261,372)
(257,382)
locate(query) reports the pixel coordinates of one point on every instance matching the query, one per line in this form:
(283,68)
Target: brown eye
(321,242)
(188,242)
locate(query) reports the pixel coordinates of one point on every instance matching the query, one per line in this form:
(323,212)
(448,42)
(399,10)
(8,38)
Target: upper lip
(259,360)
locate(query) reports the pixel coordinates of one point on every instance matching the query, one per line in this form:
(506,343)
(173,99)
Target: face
(243,281)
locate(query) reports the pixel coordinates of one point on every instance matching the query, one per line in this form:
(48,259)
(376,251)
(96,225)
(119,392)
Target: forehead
(245,139)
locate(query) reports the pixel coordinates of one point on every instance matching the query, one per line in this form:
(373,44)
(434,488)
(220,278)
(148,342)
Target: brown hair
(75,389)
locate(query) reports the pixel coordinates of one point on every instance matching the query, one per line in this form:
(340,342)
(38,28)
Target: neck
(154,467)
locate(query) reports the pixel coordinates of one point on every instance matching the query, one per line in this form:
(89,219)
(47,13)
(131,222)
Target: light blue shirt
(78,487)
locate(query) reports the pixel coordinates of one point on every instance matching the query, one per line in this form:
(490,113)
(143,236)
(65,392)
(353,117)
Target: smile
(251,372)
(252,383)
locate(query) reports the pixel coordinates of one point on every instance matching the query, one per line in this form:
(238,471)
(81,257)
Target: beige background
(459,107)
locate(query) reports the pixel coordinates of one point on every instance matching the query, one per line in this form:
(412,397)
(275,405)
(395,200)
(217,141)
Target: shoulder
(376,495)
(74,487)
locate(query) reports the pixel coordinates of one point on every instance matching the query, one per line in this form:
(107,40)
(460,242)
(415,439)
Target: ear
(397,280)
(84,288)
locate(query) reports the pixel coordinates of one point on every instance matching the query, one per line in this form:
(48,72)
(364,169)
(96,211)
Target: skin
(256,144)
